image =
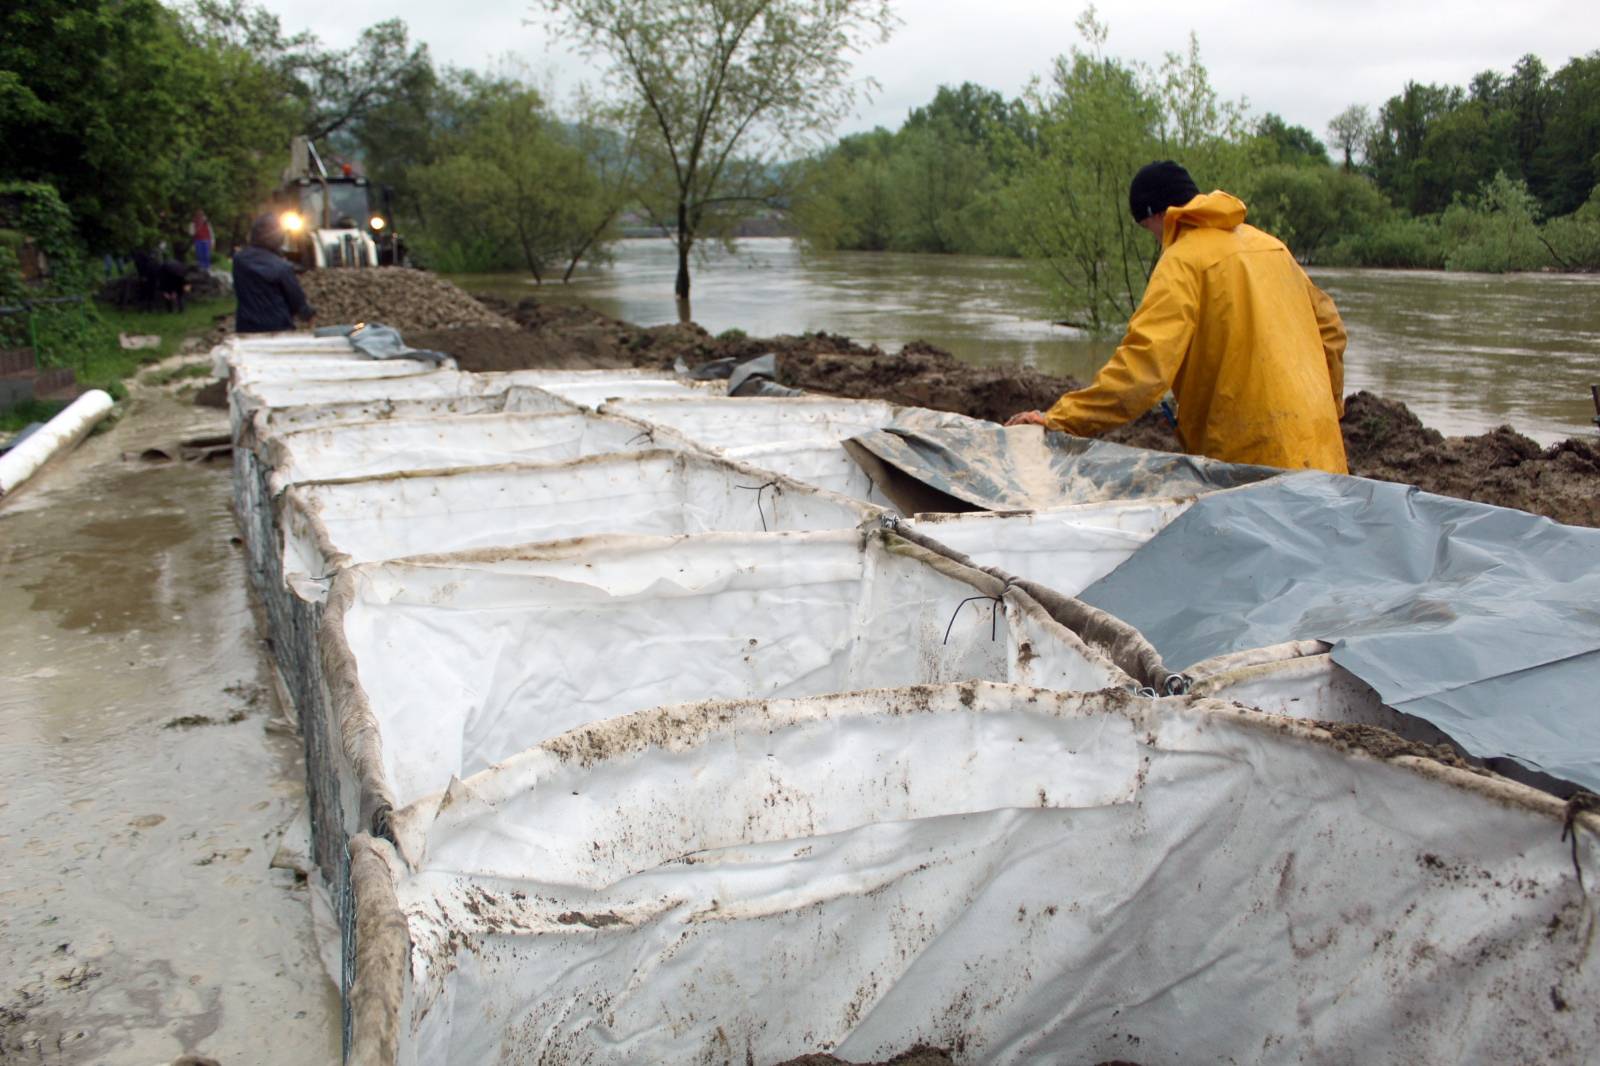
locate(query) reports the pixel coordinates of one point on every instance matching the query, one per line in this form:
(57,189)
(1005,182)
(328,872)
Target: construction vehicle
(333,220)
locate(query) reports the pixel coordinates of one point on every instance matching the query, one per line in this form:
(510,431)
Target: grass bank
(93,351)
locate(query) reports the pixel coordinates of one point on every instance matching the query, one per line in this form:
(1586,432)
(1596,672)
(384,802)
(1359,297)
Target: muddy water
(144,794)
(1466,352)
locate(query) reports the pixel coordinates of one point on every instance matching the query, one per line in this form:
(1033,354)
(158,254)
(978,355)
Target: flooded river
(1467,352)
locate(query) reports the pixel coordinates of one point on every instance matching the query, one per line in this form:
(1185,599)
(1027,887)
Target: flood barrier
(1017,875)
(507,648)
(599,772)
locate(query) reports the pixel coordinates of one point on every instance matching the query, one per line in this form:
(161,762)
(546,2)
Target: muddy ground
(1383,438)
(149,774)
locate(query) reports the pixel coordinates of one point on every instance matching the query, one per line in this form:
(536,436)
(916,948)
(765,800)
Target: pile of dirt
(406,299)
(1383,438)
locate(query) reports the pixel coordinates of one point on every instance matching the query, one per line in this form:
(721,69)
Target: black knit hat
(1159,186)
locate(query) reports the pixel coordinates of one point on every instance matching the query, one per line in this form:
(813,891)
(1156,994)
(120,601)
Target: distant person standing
(200,230)
(269,296)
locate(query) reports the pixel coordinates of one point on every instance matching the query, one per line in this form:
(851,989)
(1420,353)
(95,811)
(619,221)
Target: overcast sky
(1305,59)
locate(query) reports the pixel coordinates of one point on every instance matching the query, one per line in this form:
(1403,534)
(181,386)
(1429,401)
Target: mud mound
(1377,430)
(1383,439)
(406,299)
(479,349)
(920,375)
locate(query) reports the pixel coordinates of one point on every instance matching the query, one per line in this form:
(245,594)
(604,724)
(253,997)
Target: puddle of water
(139,919)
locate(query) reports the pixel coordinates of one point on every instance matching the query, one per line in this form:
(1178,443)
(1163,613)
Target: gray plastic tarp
(1482,620)
(380,342)
(986,466)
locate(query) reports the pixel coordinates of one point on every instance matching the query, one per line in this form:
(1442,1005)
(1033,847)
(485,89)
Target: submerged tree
(718,89)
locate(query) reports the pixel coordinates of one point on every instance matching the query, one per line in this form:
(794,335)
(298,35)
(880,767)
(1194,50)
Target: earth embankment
(1383,438)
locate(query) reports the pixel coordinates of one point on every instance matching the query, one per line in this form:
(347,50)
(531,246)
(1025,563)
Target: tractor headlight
(377,222)
(291,221)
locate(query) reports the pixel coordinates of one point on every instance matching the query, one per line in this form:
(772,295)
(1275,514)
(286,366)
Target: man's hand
(1026,418)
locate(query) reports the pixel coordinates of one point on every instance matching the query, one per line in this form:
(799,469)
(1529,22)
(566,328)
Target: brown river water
(1467,352)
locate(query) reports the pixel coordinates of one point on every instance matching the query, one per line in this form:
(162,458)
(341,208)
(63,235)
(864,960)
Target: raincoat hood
(1211,210)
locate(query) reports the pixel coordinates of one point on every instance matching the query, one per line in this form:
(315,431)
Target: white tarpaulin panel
(1063,548)
(823,463)
(368,449)
(331,524)
(594,393)
(246,401)
(742,422)
(506,399)
(1014,875)
(501,653)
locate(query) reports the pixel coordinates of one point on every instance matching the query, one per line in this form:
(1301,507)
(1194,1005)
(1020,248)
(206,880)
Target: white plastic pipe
(55,436)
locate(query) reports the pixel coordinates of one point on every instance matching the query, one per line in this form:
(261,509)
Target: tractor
(331,220)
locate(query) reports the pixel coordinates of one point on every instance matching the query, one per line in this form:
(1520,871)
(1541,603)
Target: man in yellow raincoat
(1253,351)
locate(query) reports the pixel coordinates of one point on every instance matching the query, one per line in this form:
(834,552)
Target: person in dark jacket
(264,284)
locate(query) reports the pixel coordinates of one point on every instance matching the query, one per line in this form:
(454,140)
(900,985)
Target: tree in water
(719,89)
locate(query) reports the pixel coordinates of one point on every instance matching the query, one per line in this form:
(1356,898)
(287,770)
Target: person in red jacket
(200,230)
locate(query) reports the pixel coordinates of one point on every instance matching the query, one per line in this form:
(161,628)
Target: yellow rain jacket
(1252,349)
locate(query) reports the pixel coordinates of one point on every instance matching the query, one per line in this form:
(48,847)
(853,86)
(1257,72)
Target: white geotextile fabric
(595,393)
(507,399)
(1063,548)
(743,422)
(461,664)
(823,463)
(351,367)
(1300,680)
(331,524)
(1016,875)
(385,446)
(247,401)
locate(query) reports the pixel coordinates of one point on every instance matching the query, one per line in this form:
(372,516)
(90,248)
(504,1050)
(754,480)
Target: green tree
(89,91)
(1566,166)
(1310,207)
(721,88)
(1349,131)
(1398,141)
(510,188)
(1096,123)
(1283,143)
(1496,230)
(845,198)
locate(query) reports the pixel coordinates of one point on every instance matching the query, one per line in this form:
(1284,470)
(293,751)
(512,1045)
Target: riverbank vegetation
(194,105)
(1499,175)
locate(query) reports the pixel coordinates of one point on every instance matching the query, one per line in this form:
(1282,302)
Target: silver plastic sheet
(1484,621)
(971,464)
